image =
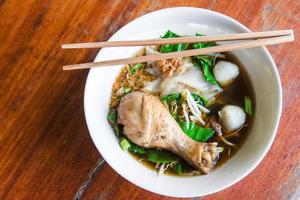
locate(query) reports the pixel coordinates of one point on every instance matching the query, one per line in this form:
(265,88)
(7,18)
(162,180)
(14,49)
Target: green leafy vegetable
(127,89)
(178,168)
(170,97)
(125,144)
(136,67)
(206,63)
(128,145)
(170,34)
(201,100)
(112,119)
(172,47)
(196,132)
(203,44)
(248,106)
(137,149)
(157,156)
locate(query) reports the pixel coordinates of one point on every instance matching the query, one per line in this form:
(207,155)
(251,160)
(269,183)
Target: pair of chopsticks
(255,39)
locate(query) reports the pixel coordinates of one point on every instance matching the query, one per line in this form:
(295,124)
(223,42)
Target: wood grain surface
(45,149)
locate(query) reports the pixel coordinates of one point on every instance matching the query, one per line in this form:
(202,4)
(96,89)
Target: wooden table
(45,148)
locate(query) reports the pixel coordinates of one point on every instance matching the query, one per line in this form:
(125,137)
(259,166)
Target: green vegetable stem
(248,106)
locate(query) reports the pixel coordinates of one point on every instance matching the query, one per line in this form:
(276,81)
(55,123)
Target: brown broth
(232,94)
(235,94)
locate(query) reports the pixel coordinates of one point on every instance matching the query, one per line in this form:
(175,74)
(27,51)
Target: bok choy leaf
(205,61)
(206,64)
(196,132)
(157,156)
(172,47)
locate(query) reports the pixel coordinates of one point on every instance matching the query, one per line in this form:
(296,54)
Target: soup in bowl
(205,120)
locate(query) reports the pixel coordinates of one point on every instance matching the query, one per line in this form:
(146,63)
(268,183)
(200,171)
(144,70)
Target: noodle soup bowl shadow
(259,66)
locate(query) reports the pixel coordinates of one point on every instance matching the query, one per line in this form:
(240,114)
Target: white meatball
(232,117)
(225,72)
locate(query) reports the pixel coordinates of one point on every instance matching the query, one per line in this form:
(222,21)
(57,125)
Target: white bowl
(185,21)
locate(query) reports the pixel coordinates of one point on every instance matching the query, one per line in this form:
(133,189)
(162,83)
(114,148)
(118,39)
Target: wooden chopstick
(229,37)
(192,52)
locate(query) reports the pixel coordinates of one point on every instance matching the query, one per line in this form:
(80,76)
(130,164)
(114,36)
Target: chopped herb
(178,168)
(157,156)
(127,89)
(248,106)
(172,47)
(196,132)
(125,144)
(136,67)
(206,62)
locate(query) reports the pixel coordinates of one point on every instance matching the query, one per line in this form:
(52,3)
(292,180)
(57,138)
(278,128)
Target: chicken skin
(148,123)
